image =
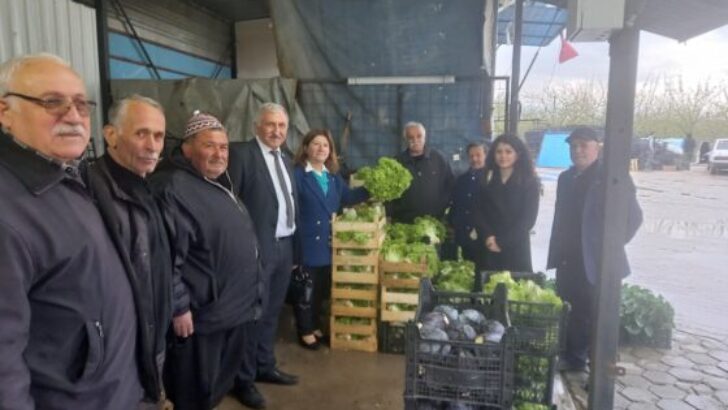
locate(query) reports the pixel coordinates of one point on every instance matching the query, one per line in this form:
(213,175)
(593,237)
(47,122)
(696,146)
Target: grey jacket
(67,321)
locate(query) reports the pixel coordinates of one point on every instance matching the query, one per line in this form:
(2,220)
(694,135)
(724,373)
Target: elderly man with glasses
(67,298)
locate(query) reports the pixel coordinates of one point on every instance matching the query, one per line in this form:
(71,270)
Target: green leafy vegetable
(387,180)
(456,276)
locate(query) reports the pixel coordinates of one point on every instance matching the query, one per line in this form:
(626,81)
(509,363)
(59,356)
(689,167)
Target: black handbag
(300,289)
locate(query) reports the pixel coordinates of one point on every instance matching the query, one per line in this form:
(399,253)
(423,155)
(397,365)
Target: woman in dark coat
(321,193)
(508,205)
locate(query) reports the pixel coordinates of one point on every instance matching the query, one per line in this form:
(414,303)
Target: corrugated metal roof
(61,27)
(541,23)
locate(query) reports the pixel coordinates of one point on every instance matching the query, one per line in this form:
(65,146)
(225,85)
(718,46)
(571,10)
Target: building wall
(61,27)
(256,49)
(182,39)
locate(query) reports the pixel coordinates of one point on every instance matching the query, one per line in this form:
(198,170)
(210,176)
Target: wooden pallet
(398,290)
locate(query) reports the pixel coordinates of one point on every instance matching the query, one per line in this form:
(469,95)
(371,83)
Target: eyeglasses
(59,106)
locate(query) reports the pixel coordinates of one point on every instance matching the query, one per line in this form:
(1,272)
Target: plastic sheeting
(451,113)
(234,102)
(334,39)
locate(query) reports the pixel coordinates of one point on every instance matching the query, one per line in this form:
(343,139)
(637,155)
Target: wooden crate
(376,229)
(359,336)
(355,280)
(347,268)
(398,290)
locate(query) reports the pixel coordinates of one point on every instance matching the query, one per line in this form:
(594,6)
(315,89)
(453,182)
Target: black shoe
(310,346)
(276,376)
(249,395)
(568,366)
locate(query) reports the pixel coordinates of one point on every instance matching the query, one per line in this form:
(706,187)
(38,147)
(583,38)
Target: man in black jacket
(575,245)
(135,139)
(216,269)
(432,178)
(263,174)
(67,301)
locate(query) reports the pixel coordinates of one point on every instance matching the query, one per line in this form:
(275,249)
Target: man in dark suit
(575,245)
(263,175)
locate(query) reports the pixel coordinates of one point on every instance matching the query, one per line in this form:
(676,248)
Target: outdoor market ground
(681,252)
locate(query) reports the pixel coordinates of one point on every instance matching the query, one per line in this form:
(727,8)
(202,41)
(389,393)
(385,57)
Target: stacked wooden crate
(354,286)
(399,288)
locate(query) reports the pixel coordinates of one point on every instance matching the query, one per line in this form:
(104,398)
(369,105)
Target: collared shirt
(322,177)
(282,230)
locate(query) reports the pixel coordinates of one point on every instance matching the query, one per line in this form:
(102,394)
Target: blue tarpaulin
(554,151)
(541,23)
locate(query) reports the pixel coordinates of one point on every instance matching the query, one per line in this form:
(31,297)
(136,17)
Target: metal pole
(102,40)
(624,51)
(516,69)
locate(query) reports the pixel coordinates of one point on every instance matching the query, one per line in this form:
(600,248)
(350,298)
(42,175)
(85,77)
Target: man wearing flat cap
(216,275)
(575,245)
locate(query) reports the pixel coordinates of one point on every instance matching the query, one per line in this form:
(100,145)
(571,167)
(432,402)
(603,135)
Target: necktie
(282,182)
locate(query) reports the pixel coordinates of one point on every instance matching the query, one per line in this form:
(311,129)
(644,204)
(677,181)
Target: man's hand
(492,245)
(183,326)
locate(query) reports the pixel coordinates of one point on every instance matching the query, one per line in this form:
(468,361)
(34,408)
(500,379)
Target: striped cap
(200,122)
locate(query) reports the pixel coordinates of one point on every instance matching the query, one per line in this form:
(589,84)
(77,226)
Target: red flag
(567,51)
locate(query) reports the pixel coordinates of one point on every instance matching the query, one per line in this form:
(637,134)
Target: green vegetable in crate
(523,291)
(352,236)
(397,251)
(387,180)
(430,229)
(531,406)
(400,232)
(456,276)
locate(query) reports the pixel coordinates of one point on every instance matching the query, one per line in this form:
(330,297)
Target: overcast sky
(698,58)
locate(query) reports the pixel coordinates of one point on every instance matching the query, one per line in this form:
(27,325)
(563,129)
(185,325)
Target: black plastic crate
(392,337)
(482,277)
(534,379)
(442,373)
(539,326)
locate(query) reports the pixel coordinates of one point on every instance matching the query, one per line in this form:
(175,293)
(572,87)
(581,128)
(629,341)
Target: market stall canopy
(541,23)
(677,19)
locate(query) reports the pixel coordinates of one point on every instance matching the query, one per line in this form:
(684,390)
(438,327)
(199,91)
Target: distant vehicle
(718,156)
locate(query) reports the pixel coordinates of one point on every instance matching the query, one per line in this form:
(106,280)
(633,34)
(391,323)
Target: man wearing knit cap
(216,277)
(263,174)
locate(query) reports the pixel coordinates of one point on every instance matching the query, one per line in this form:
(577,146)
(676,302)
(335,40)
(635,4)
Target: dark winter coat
(578,218)
(316,209)
(464,208)
(216,267)
(508,212)
(136,224)
(429,193)
(68,327)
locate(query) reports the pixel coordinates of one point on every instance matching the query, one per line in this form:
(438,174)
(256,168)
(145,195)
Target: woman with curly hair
(508,205)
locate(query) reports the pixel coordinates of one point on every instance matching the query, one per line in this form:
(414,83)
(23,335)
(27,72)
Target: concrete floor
(331,380)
